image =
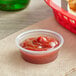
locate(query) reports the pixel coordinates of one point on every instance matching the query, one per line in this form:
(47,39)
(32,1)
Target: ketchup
(41,43)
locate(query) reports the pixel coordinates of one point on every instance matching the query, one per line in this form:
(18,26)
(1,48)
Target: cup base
(40,62)
(39,59)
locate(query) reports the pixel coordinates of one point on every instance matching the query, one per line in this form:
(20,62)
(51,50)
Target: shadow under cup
(39,57)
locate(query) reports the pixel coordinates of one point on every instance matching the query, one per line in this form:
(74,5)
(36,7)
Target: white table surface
(11,22)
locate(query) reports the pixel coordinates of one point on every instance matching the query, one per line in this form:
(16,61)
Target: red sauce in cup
(41,43)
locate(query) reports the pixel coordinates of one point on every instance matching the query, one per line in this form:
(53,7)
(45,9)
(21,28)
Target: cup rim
(39,52)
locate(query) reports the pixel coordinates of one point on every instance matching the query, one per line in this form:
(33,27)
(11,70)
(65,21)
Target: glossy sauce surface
(41,43)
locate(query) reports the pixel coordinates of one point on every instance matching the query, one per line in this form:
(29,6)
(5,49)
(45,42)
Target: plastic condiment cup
(39,57)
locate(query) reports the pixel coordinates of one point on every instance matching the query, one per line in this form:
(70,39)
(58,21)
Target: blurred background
(11,22)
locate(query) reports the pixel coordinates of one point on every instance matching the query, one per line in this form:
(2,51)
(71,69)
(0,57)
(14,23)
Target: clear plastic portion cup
(39,57)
